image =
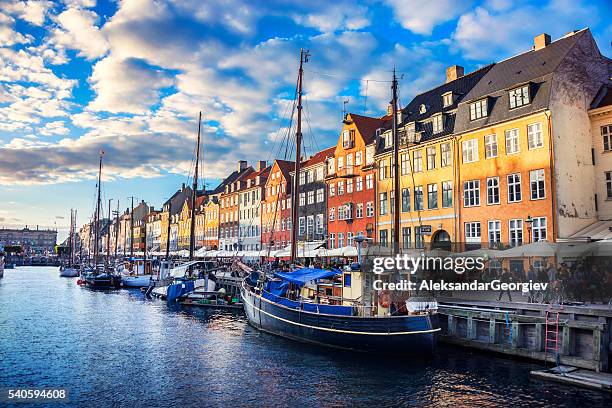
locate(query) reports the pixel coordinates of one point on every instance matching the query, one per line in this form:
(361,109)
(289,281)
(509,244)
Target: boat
(291,304)
(137,273)
(1,265)
(182,280)
(69,270)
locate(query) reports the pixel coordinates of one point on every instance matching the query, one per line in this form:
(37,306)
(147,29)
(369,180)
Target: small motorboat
(69,272)
(137,274)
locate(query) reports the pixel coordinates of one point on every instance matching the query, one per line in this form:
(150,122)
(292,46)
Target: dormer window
(519,96)
(410,130)
(438,123)
(388,137)
(478,109)
(447,99)
(348,138)
(422,108)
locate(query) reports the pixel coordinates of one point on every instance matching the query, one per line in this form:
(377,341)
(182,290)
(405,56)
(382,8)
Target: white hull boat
(69,272)
(136,281)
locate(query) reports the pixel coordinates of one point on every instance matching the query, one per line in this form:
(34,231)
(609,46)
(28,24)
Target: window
(537,184)
(319,223)
(405,200)
(347,280)
(417,165)
(340,162)
(405,163)
(358,158)
(447,99)
(514,188)
(516,232)
(301,221)
(519,96)
(470,150)
(310,224)
(319,173)
(445,154)
(432,196)
(383,240)
(303,178)
(332,214)
(471,193)
(493,190)
(347,140)
(302,199)
(388,138)
(349,238)
(606,133)
(369,181)
(349,186)
(330,166)
(447,194)
(370,154)
(340,187)
(320,195)
(478,109)
(349,160)
(359,210)
(418,198)
(494,232)
(332,189)
(341,213)
(608,184)
(358,183)
(383,203)
(438,123)
(534,136)
(370,209)
(332,240)
(431,158)
(406,237)
(490,146)
(472,232)
(419,238)
(340,240)
(311,197)
(538,229)
(382,170)
(512,141)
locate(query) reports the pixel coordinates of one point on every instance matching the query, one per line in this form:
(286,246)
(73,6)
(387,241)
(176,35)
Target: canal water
(119,349)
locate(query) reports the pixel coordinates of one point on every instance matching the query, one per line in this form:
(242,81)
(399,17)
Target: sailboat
(275,305)
(183,274)
(99,277)
(69,271)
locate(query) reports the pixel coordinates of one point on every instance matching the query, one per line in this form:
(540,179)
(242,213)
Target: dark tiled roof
(603,97)
(286,167)
(319,157)
(534,67)
(367,126)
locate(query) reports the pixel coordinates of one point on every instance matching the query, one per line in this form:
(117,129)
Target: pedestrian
(505,278)
(531,276)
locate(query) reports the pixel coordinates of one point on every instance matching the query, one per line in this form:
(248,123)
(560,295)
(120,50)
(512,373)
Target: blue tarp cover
(303,275)
(277,288)
(179,289)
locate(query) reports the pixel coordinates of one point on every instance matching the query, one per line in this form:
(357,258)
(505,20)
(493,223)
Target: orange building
(276,206)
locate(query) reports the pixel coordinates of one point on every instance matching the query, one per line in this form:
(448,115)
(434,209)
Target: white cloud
(8,36)
(78,31)
(57,127)
(421,16)
(334,17)
(32,11)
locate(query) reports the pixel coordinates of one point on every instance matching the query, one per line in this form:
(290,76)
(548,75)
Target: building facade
(276,207)
(211,223)
(250,198)
(33,241)
(229,218)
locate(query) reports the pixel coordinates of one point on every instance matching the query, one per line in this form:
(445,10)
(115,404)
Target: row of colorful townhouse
(516,151)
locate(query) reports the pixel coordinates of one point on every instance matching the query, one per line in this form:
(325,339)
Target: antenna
(344,105)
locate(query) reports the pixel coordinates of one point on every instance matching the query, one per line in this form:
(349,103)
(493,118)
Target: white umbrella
(535,249)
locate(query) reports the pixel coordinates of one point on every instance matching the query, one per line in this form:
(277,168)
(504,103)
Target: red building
(351,181)
(276,206)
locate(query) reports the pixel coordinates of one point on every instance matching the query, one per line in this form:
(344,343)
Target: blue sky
(130,77)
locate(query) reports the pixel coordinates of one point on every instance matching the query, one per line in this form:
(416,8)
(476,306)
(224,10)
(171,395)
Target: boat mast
(195,193)
(97,217)
(168,234)
(298,151)
(117,231)
(70,239)
(396,171)
(108,236)
(132,229)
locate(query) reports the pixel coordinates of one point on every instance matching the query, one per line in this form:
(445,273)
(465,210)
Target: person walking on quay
(531,276)
(505,278)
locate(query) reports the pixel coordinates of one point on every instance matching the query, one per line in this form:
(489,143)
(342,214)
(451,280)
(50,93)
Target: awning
(182,268)
(599,230)
(303,275)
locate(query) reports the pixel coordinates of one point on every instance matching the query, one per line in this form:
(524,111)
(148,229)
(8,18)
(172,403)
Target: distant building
(33,241)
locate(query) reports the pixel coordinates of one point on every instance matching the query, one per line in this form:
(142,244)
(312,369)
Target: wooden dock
(576,376)
(582,340)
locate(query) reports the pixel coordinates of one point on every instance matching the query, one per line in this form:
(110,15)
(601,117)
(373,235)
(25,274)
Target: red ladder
(551,336)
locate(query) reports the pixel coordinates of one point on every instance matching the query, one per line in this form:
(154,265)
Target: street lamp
(529,221)
(359,239)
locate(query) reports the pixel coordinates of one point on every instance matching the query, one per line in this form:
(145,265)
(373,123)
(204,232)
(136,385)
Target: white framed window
(369,181)
(332,240)
(341,214)
(418,198)
(340,239)
(382,170)
(447,194)
(512,141)
(349,186)
(320,173)
(478,109)
(383,201)
(370,154)
(519,96)
(332,213)
(347,141)
(370,209)
(445,155)
(432,196)
(301,222)
(447,99)
(537,184)
(538,229)
(608,175)
(320,195)
(471,193)
(319,224)
(388,138)
(359,210)
(534,135)
(332,189)
(493,196)
(310,224)
(470,150)
(349,238)
(514,188)
(340,162)
(490,146)
(311,197)
(302,178)
(358,158)
(340,187)
(438,123)
(515,232)
(349,160)
(606,134)
(405,163)
(358,183)
(472,232)
(431,158)
(494,231)
(331,166)
(417,165)
(302,199)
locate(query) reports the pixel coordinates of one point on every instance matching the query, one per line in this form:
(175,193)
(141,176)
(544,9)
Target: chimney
(390,109)
(453,72)
(261,165)
(541,41)
(242,165)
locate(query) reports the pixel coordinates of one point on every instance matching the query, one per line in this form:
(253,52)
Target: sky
(129,77)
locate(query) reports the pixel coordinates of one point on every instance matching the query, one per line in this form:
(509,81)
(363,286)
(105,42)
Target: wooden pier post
(515,334)
(492,331)
(538,336)
(452,325)
(471,327)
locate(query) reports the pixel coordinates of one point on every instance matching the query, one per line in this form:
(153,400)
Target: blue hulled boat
(339,326)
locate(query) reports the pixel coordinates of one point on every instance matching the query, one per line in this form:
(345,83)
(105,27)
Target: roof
(229,179)
(319,157)
(533,67)
(367,126)
(603,97)
(596,231)
(286,167)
